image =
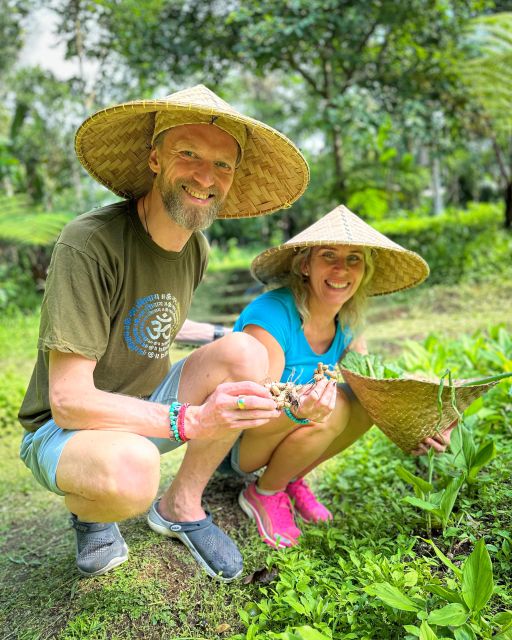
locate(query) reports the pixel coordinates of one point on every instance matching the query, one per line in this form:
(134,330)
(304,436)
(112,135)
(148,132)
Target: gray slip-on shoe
(99,546)
(212,548)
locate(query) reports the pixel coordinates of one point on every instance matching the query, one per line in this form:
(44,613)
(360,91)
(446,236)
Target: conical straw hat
(396,268)
(406,410)
(113,145)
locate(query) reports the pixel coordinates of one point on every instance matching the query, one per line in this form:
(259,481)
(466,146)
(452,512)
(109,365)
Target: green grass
(160,593)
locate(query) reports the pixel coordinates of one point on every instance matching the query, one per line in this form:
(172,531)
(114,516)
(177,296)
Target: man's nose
(203,174)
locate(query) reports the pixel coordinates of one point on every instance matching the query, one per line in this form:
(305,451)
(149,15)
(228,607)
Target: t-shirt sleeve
(204,251)
(75,314)
(270,314)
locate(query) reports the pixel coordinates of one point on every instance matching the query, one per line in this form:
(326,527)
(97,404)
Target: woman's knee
(245,358)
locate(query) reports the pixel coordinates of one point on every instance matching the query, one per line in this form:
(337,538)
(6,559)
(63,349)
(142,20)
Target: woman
(323,278)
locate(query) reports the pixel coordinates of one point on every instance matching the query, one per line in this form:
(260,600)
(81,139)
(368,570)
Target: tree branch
(307,76)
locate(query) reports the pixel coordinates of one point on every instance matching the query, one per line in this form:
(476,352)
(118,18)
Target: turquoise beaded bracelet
(174,410)
(294,418)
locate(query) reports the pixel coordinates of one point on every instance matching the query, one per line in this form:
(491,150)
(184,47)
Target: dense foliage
(374,574)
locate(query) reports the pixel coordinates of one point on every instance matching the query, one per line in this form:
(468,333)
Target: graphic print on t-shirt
(150,323)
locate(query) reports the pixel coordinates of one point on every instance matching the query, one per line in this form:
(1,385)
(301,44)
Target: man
(102,404)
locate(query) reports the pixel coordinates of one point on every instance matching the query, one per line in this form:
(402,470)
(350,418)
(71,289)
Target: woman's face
(335,273)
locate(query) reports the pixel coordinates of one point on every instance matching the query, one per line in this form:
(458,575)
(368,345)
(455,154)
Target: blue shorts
(41,450)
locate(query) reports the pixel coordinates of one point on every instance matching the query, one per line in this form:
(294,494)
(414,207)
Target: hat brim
(113,146)
(406,410)
(396,268)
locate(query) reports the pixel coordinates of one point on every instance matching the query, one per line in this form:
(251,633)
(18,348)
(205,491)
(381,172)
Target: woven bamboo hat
(406,410)
(113,145)
(396,268)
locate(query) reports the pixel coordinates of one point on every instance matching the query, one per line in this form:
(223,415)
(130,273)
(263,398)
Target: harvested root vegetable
(323,370)
(287,394)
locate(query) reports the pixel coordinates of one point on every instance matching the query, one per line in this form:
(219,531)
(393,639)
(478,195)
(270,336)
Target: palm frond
(23,223)
(487,68)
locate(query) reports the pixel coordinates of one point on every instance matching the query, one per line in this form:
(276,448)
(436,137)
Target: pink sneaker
(305,502)
(273,515)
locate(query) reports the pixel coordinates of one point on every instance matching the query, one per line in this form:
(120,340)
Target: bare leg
(108,476)
(290,455)
(235,357)
(358,424)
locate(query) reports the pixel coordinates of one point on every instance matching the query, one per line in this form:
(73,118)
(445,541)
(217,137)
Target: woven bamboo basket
(406,410)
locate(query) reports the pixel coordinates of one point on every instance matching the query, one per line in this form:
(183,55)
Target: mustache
(191,184)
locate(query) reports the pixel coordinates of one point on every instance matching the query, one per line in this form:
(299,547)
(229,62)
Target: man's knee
(126,474)
(135,475)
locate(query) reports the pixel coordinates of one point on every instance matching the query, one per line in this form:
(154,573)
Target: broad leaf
(447,594)
(426,632)
(484,455)
(477,582)
(452,614)
(464,633)
(445,560)
(503,618)
(449,497)
(418,483)
(422,504)
(392,596)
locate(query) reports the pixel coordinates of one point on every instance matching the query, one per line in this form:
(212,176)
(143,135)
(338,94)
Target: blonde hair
(351,314)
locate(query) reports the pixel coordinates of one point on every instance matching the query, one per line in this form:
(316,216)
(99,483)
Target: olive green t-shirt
(114,296)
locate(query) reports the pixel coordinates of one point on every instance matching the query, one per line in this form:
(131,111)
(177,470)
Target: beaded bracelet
(174,410)
(181,422)
(294,418)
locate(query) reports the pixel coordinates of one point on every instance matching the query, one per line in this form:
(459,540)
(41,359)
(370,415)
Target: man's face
(195,167)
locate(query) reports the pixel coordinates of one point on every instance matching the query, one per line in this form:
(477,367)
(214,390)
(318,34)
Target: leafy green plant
(439,504)
(464,610)
(466,454)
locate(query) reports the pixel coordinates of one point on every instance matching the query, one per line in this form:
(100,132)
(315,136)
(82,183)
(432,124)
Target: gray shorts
(41,450)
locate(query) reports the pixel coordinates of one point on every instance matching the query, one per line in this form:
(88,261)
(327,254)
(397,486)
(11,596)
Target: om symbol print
(151,323)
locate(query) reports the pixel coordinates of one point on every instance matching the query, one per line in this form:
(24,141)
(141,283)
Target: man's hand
(221,415)
(317,401)
(439,442)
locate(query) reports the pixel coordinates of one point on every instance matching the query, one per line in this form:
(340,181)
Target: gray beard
(189,217)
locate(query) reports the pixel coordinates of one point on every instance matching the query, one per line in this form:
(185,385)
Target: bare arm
(77,404)
(274,349)
(193,332)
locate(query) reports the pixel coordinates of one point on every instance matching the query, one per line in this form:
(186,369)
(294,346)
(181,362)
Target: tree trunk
(437,186)
(508,205)
(337,149)
(335,130)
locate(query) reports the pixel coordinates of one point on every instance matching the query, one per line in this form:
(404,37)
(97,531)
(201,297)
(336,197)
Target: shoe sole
(182,537)
(250,511)
(115,562)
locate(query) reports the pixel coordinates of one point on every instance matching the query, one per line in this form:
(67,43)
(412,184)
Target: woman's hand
(439,442)
(317,401)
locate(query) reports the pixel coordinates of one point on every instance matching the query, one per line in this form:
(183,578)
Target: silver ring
(240,403)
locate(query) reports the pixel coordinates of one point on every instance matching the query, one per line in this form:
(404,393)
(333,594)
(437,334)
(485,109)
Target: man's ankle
(174,511)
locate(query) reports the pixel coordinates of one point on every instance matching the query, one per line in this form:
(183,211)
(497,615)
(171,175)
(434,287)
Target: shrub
(459,245)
